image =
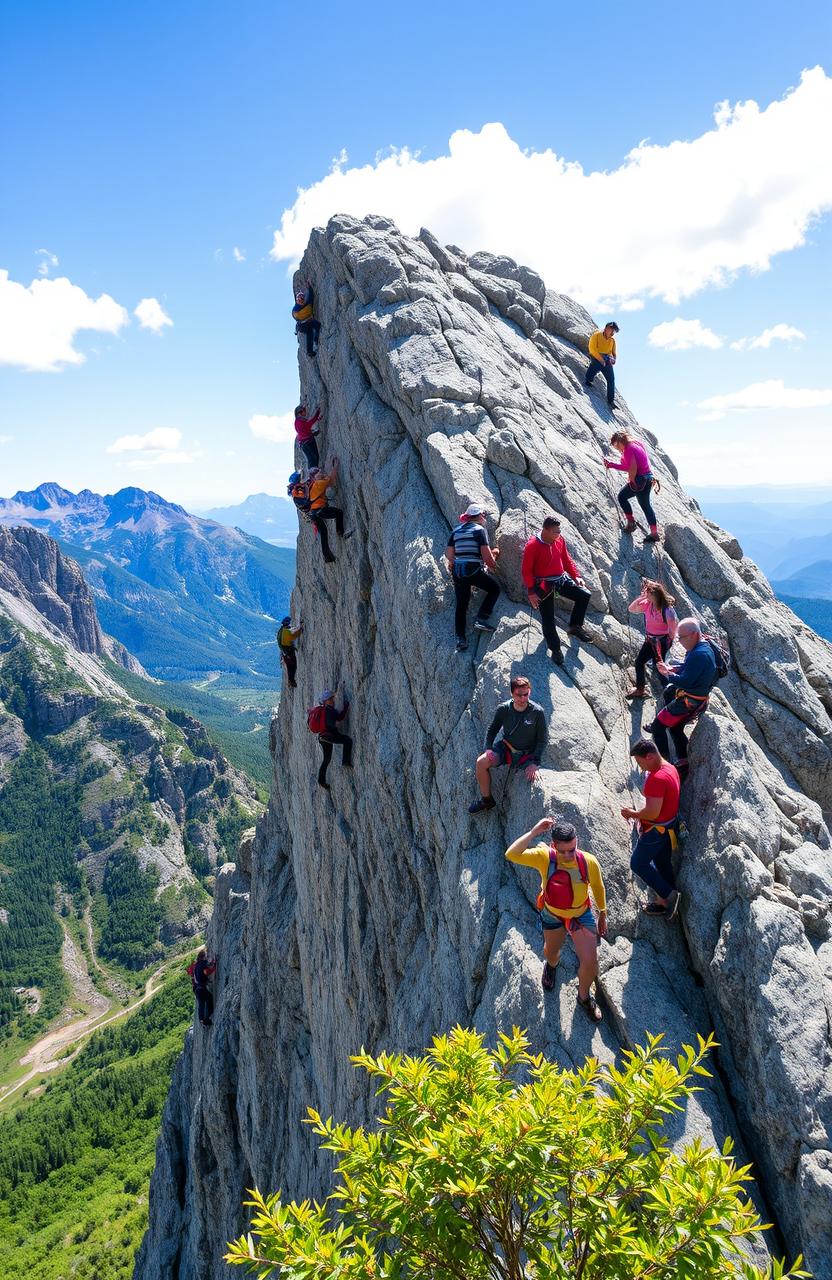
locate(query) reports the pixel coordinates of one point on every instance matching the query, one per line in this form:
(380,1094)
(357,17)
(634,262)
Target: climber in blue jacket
(687,692)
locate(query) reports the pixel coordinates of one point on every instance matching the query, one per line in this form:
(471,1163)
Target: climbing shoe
(461,645)
(579,632)
(346,535)
(482,805)
(557,657)
(630,527)
(547,980)
(325,785)
(635,693)
(329,559)
(653,537)
(482,624)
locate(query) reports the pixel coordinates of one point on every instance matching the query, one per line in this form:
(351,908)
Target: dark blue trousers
(596,367)
(652,861)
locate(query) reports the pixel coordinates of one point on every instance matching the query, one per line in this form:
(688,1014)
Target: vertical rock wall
(380,913)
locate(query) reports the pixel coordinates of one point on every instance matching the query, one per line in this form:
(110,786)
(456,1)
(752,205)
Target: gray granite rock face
(381,913)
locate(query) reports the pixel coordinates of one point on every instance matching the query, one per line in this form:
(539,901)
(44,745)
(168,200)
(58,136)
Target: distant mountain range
(186,595)
(272,519)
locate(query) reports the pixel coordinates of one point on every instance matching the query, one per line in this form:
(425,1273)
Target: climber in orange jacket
(303,314)
(547,568)
(602,359)
(320,510)
(567,875)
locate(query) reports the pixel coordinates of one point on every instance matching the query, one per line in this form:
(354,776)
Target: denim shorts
(507,755)
(548,921)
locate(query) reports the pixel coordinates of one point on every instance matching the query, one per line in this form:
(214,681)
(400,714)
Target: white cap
(474,510)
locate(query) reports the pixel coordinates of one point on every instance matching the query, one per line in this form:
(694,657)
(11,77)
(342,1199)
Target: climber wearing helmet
(635,462)
(469,558)
(547,568)
(303,314)
(566,876)
(199,972)
(522,725)
(286,638)
(687,692)
(329,733)
(658,823)
(305,433)
(319,509)
(661,623)
(602,358)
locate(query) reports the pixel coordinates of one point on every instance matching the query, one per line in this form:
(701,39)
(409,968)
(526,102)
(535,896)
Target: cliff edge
(382,913)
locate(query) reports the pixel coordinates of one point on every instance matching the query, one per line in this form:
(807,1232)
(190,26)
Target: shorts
(504,754)
(548,921)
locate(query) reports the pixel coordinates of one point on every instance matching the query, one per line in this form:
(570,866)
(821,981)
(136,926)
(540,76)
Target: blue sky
(143,144)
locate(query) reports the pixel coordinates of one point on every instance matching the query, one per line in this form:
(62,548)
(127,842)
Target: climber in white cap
(323,720)
(469,558)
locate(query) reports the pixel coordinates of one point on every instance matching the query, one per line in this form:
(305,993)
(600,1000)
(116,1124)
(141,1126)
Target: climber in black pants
(332,735)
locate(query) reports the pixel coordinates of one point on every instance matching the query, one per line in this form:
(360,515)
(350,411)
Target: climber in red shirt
(658,823)
(547,569)
(305,433)
(199,972)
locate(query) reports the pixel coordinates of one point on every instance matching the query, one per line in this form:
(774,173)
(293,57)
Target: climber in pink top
(661,622)
(635,462)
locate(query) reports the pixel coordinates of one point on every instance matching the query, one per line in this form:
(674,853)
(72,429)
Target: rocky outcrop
(32,568)
(381,913)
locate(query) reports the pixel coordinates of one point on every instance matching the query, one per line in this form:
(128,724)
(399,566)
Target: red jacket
(546,560)
(303,426)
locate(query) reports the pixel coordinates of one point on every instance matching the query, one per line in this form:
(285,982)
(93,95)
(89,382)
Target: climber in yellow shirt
(602,358)
(567,875)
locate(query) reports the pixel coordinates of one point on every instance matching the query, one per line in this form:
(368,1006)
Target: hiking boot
(461,644)
(577,631)
(672,906)
(635,693)
(653,537)
(547,980)
(557,657)
(482,805)
(482,624)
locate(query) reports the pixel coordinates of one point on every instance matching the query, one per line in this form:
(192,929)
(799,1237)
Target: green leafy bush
(498,1165)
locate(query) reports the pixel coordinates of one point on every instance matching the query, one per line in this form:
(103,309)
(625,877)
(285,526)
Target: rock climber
(658,823)
(602,359)
(286,638)
(303,314)
(469,560)
(199,972)
(566,876)
(686,693)
(635,462)
(522,725)
(305,433)
(329,734)
(661,624)
(319,509)
(547,568)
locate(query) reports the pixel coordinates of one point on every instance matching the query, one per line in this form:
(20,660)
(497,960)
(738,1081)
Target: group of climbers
(516,737)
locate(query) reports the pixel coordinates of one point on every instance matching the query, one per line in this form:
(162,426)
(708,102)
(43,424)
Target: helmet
(286,622)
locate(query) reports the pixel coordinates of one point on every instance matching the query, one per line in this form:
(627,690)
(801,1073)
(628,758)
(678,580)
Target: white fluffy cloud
(669,221)
(777,333)
(47,259)
(773,394)
(151,315)
(279,428)
(239,255)
(164,438)
(681,335)
(39,322)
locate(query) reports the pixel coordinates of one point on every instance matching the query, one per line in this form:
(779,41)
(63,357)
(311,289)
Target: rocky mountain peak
(131,503)
(35,572)
(45,496)
(380,913)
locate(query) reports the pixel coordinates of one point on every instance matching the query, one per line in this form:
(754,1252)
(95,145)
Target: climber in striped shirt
(469,558)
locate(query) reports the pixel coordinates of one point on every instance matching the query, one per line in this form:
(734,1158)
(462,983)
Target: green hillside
(75,1162)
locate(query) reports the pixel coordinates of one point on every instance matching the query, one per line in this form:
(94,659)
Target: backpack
(299,493)
(722,657)
(316,718)
(559,894)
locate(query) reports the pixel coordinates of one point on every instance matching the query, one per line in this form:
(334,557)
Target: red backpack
(559,894)
(316,718)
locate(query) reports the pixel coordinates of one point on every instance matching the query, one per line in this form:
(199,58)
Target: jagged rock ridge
(383,914)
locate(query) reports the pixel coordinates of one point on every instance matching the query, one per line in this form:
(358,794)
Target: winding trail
(44,1054)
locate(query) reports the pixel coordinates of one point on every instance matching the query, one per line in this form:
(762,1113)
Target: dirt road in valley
(45,1054)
